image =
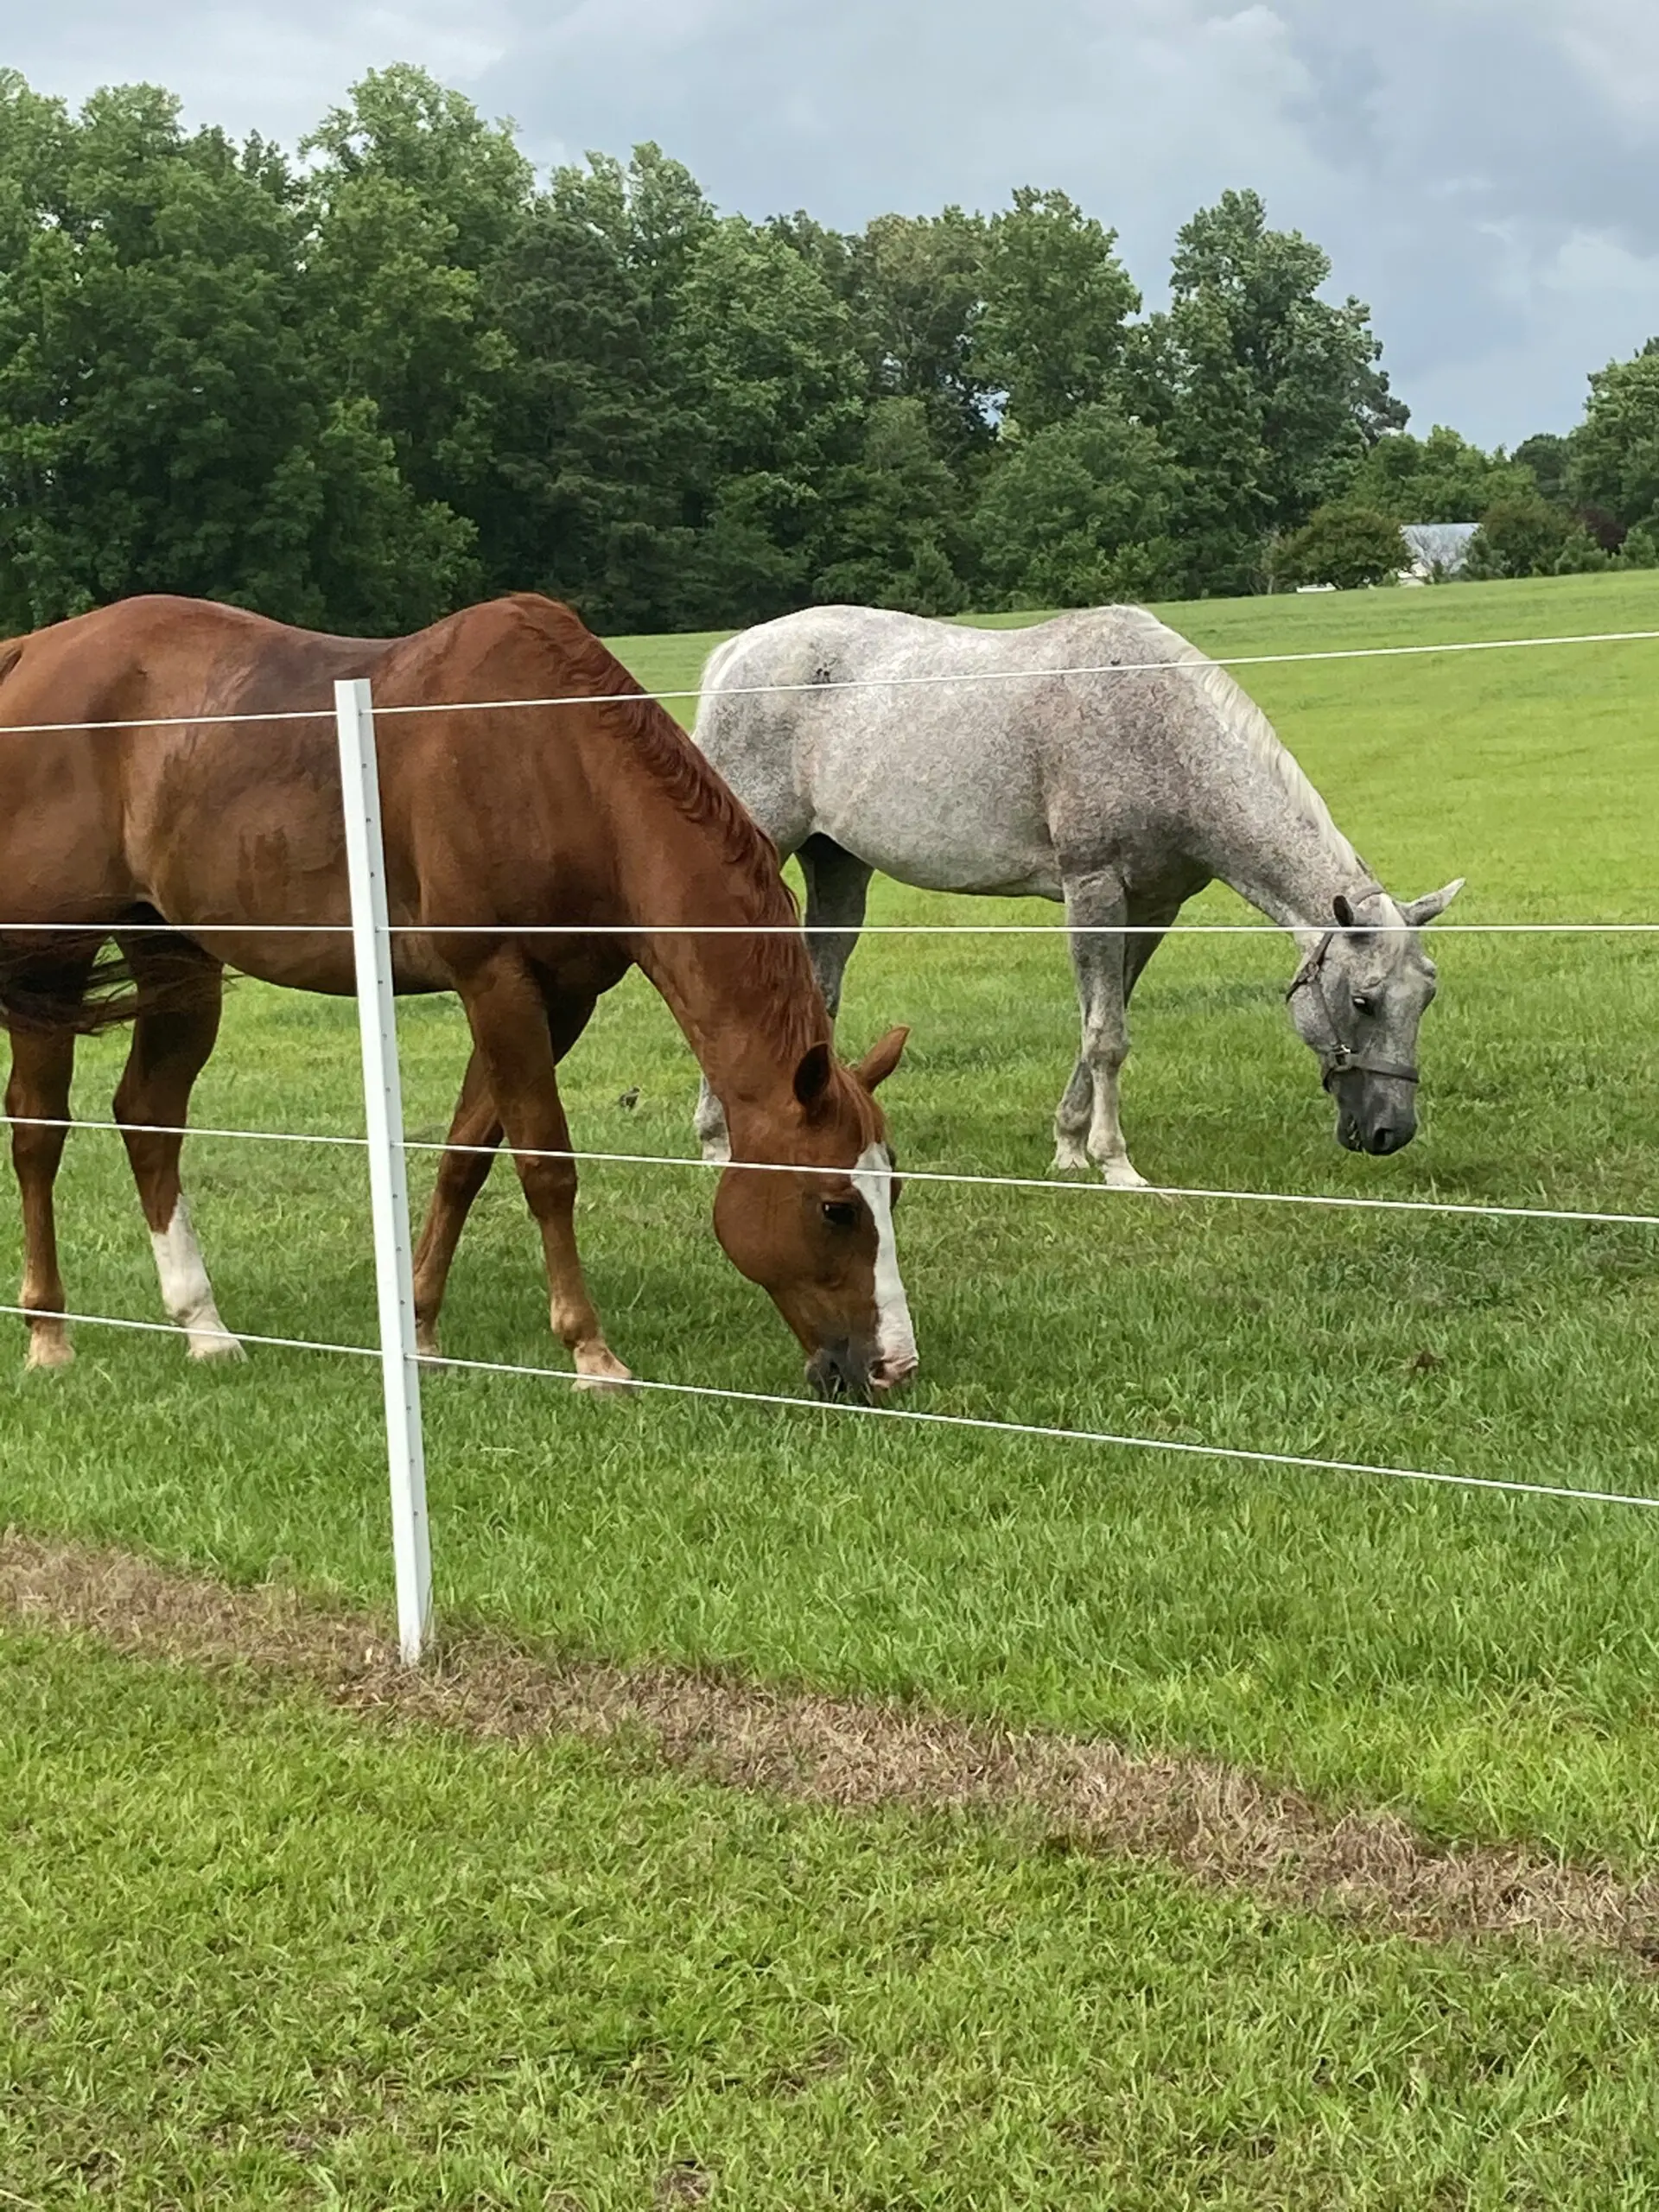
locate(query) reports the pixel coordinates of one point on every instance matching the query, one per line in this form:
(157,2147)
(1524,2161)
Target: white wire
(1061,1435)
(905,1175)
(202,720)
(174,1329)
(851,683)
(1051,1183)
(104,930)
(1002,928)
(1033,675)
(171,1129)
(1044,1434)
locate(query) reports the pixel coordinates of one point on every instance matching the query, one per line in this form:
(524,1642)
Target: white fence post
(388,1184)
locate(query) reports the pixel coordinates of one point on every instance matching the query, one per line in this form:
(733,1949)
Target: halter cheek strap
(1337,1057)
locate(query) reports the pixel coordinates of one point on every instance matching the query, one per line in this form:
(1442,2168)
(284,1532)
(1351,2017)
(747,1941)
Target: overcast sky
(1483,172)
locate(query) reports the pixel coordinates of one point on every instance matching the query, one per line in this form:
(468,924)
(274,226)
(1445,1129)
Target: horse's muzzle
(1378,1137)
(843,1371)
(1375,1114)
(849,1370)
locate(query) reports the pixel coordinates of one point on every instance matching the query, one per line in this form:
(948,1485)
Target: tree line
(360,384)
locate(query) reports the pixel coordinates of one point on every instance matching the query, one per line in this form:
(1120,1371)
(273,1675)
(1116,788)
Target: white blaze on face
(895,1340)
(186,1292)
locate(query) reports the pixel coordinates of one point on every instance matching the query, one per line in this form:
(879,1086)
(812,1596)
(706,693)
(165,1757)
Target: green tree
(1614,450)
(413,200)
(1342,544)
(1527,536)
(895,533)
(595,456)
(1269,395)
(921,282)
(769,354)
(1550,459)
(1080,514)
(162,428)
(1057,303)
(1441,477)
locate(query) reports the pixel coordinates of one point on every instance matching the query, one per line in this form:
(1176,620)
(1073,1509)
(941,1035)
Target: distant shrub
(1529,538)
(1342,545)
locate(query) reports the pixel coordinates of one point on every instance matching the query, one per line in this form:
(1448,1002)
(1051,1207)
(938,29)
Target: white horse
(1099,759)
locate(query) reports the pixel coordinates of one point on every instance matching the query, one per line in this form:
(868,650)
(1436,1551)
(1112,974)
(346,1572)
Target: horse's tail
(86,985)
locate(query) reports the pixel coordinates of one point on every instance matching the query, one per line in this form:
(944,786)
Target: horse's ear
(879,1063)
(1420,912)
(813,1077)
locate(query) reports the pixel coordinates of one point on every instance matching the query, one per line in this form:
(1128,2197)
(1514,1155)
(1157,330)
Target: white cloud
(1616,44)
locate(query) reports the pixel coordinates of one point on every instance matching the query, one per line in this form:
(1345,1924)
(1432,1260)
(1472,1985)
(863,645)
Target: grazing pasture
(261,1954)
(1484,1665)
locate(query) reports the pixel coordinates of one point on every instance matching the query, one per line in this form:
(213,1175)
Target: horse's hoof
(606,1386)
(1070,1159)
(45,1352)
(1118,1175)
(218,1344)
(604,1376)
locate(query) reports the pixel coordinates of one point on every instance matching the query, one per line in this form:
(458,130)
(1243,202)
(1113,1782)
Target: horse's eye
(842,1213)
(1362,1005)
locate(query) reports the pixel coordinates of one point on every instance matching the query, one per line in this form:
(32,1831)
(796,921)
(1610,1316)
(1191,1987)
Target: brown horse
(595,815)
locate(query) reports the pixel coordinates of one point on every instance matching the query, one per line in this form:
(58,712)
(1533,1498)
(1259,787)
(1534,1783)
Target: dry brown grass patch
(1223,1826)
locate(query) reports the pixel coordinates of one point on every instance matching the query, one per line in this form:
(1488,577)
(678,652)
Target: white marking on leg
(186,1292)
(895,1339)
(1106,1145)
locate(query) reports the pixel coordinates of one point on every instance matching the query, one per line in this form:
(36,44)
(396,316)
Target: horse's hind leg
(170,1046)
(838,886)
(474,1138)
(42,1064)
(513,1032)
(474,1134)
(1086,1125)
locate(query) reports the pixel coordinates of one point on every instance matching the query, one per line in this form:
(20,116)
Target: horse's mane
(777,966)
(1240,714)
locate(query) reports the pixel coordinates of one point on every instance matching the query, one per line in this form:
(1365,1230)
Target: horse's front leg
(1086,1124)
(509,1019)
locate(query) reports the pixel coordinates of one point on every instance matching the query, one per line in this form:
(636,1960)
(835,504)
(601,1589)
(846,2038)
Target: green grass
(254,1953)
(1489,1664)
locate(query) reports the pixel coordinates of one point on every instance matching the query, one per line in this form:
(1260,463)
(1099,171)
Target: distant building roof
(1437,545)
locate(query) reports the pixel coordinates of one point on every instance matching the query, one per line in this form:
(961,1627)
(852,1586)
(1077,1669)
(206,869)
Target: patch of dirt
(1216,1823)
(684,2182)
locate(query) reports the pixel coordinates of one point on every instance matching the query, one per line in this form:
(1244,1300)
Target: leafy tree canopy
(400,369)
(1441,477)
(1345,544)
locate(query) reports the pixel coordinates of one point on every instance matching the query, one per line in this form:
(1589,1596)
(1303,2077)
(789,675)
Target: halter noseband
(1337,1057)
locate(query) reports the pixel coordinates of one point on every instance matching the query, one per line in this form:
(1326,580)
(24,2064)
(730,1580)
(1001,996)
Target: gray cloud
(1481,171)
